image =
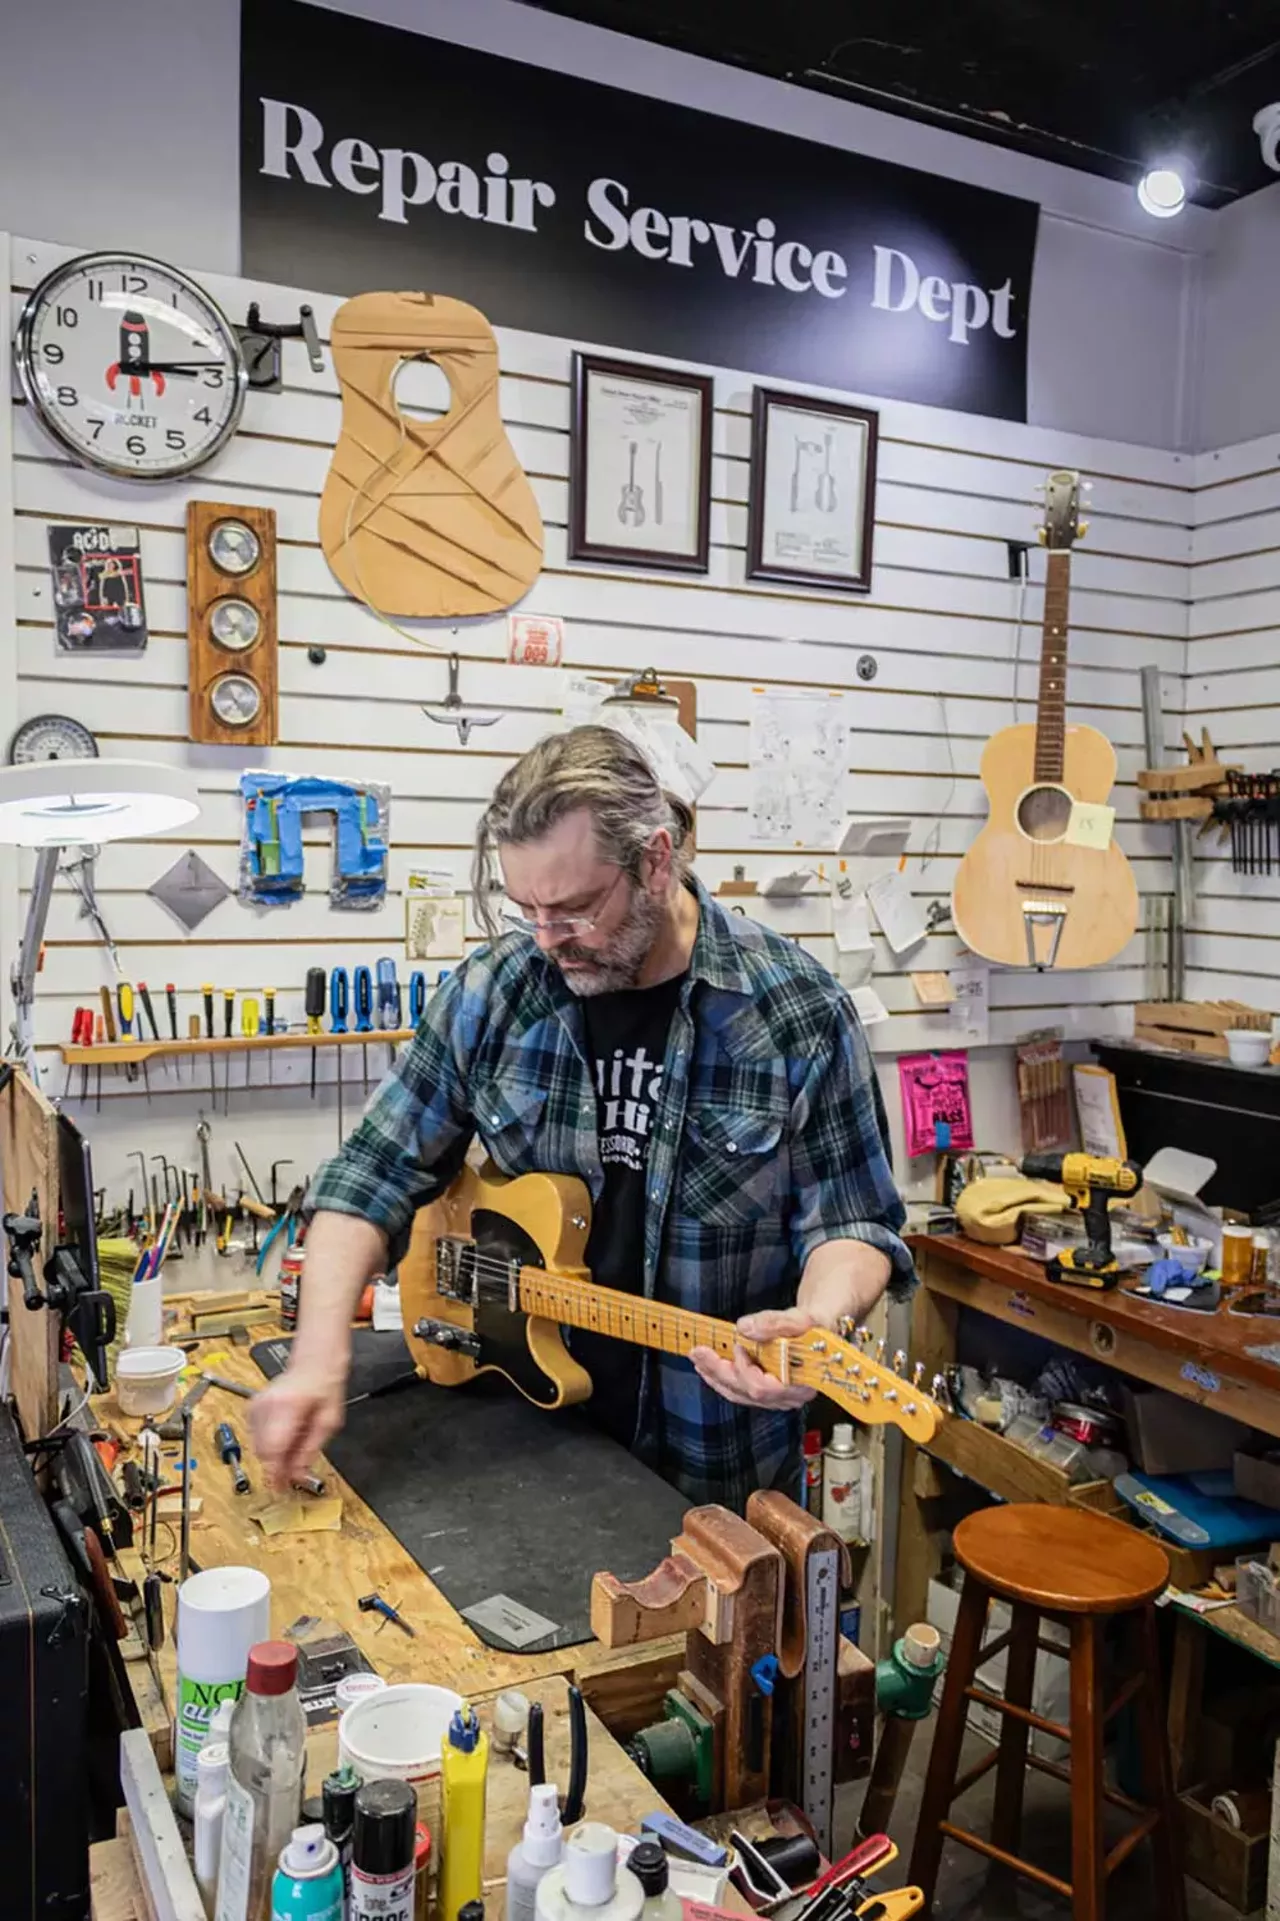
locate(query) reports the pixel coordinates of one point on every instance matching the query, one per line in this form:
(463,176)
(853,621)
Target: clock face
(130,365)
(236,700)
(234,624)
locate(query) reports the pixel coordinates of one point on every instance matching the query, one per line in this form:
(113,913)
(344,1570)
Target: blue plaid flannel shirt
(770,1139)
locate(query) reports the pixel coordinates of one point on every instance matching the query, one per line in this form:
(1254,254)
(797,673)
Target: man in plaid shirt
(705,1078)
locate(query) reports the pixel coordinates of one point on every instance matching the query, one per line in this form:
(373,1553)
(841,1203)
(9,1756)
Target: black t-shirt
(626,1046)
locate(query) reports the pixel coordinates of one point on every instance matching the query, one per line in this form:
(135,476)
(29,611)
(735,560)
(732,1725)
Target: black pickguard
(504,1337)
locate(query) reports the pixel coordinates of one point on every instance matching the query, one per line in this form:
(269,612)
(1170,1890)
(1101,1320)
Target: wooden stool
(1055,1561)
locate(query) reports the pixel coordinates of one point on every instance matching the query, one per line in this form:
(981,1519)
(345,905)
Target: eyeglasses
(566,925)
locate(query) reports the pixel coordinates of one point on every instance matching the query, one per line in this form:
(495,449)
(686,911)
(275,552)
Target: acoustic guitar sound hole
(1043,813)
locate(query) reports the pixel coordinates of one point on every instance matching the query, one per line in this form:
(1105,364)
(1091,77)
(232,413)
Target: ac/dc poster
(97,590)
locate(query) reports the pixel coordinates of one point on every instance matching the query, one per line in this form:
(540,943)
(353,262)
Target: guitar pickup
(444,1334)
(457,1274)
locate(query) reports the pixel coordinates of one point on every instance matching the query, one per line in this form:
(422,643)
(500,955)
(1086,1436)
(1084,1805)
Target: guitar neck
(1052,705)
(644,1323)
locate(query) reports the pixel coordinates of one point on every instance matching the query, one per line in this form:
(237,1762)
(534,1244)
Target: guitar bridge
(1038,914)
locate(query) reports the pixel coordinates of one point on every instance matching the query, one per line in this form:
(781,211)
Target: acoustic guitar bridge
(1039,914)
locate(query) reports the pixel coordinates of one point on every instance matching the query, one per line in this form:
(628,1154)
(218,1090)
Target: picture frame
(811,495)
(640,465)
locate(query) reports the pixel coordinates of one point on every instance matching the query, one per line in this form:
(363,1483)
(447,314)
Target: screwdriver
(170,994)
(315,1013)
(249,1027)
(364,1011)
(144,996)
(207,992)
(269,1026)
(125,1010)
(339,1007)
(388,1002)
(228,1011)
(417,996)
(229,1450)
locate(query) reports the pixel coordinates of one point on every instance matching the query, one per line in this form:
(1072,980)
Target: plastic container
(308,1881)
(1192,1258)
(212,1763)
(536,1854)
(145,1324)
(1237,1253)
(222,1612)
(147,1379)
(1047,1444)
(356,1687)
(588,1877)
(396,1734)
(264,1786)
(1248,1047)
(464,1768)
(649,1865)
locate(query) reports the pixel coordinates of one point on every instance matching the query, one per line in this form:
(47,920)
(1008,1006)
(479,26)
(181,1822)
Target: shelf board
(126,1053)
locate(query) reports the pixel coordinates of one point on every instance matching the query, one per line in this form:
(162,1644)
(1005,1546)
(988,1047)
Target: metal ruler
(818,1700)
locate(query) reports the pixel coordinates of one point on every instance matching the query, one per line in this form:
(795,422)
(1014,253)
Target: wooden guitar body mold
(425,519)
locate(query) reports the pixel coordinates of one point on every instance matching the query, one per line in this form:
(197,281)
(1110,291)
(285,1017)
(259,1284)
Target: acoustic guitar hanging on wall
(1044,884)
(425,519)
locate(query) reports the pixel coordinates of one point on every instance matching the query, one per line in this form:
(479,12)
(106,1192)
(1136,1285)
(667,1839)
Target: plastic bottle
(308,1881)
(531,1858)
(222,1612)
(264,1787)
(382,1852)
(588,1877)
(842,1484)
(648,1863)
(212,1763)
(464,1764)
(339,1803)
(220,1725)
(813,1471)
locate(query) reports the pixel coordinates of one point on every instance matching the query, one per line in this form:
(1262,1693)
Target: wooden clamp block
(671,1600)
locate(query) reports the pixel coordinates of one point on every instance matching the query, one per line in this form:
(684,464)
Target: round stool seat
(1063,1560)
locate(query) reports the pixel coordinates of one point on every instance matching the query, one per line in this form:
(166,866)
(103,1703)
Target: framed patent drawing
(640,465)
(812,492)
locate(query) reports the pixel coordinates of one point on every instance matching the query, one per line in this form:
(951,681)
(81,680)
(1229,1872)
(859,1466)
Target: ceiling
(1102,85)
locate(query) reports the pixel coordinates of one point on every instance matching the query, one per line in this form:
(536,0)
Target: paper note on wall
(868,1005)
(970,1017)
(936,1114)
(1098,1111)
(897,911)
(850,919)
(799,765)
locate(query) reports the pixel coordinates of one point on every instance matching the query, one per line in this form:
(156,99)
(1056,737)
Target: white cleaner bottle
(540,1850)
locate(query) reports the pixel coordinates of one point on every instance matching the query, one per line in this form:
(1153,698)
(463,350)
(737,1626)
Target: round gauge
(130,366)
(236,700)
(233,547)
(234,624)
(51,737)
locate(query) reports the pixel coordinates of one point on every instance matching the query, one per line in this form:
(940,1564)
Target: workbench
(1201,1357)
(324,1574)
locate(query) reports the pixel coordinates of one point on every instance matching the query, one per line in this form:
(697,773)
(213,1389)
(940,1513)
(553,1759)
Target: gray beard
(628,951)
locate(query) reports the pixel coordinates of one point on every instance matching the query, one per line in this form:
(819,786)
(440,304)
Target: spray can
(842,1484)
(813,1471)
(222,1613)
(291,1285)
(308,1881)
(382,1852)
(338,1802)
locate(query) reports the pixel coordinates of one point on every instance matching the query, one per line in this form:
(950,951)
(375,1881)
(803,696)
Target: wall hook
(453,714)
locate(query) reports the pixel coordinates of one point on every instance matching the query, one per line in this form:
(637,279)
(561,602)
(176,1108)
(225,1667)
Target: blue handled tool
(417,996)
(363,988)
(339,1001)
(388,1001)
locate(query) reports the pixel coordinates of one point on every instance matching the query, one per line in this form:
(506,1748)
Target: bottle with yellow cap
(464,1767)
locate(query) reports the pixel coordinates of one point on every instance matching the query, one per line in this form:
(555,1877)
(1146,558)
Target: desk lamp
(55,804)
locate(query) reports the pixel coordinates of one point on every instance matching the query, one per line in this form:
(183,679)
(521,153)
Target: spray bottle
(540,1850)
(464,1765)
(308,1881)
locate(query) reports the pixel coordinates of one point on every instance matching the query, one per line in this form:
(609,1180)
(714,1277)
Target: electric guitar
(495,1268)
(1044,884)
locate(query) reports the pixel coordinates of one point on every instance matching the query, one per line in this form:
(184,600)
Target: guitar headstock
(1062,525)
(849,1368)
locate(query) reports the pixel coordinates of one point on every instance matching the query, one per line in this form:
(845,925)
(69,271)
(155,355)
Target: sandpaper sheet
(509,1509)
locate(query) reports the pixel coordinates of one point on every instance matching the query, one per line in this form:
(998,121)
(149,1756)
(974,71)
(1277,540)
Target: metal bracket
(453,712)
(260,344)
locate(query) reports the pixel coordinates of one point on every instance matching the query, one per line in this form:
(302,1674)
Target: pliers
(289,1224)
(576,1793)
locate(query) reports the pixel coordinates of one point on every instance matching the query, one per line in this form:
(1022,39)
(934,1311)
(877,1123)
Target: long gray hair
(592,767)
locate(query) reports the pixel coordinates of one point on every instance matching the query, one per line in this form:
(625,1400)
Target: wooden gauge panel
(231,624)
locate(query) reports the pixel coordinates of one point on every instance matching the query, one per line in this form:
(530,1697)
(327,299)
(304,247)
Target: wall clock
(130,366)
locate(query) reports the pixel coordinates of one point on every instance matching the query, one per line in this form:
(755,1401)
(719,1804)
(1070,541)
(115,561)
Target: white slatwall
(1233,688)
(952,489)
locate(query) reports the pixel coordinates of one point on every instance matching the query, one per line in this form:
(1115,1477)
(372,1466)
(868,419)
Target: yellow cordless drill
(1090,1181)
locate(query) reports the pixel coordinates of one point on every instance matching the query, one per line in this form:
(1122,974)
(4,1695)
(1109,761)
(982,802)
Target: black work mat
(494,1497)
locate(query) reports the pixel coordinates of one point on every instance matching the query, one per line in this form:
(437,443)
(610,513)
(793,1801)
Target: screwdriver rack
(130,1053)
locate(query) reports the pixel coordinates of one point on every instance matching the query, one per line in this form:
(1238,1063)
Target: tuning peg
(1082,529)
(880,1352)
(917,1374)
(864,1336)
(938,1389)
(899,1360)
(846,1327)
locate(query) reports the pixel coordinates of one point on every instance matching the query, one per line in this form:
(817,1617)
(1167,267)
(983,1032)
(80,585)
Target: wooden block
(626,1686)
(114,1894)
(164,1873)
(205,1323)
(1184,780)
(1188,809)
(29,1160)
(671,1600)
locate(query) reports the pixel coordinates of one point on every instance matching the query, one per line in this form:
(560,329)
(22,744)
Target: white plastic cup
(145,1324)
(396,1733)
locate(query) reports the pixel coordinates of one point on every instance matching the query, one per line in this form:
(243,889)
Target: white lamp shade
(76,803)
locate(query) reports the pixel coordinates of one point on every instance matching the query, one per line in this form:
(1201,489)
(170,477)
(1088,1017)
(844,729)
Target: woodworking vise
(88,1313)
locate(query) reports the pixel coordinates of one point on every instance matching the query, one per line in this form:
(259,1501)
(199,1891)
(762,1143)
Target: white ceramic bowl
(1248,1046)
(147,1378)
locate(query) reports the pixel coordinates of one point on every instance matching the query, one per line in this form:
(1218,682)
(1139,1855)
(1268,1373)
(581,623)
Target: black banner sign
(372,157)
